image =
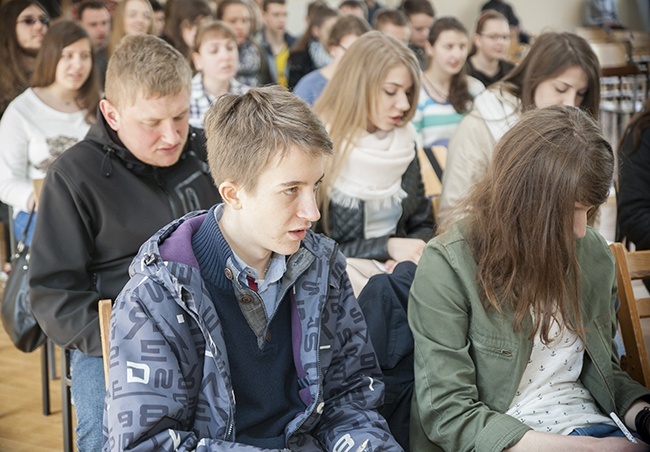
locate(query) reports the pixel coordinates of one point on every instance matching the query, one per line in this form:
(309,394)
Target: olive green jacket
(469,361)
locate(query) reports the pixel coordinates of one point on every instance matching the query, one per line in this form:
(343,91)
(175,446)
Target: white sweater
(32,135)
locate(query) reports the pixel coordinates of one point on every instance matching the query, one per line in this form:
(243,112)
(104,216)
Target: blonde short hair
(244,132)
(147,65)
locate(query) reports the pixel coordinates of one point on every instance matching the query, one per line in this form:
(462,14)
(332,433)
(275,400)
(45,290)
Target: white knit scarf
(374,169)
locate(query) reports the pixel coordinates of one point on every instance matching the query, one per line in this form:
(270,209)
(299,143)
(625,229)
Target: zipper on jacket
(176,212)
(318,362)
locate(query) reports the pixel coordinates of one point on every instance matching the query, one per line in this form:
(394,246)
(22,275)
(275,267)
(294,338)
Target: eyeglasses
(496,37)
(31,21)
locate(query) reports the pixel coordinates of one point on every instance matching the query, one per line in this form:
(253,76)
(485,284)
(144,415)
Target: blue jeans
(88,390)
(599,431)
(20,221)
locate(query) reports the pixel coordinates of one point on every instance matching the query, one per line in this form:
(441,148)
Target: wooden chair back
(432,177)
(105,308)
(632,266)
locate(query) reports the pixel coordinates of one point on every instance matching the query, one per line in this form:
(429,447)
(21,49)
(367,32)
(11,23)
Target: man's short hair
(89,5)
(355,4)
(392,16)
(245,132)
(411,7)
(266,3)
(148,65)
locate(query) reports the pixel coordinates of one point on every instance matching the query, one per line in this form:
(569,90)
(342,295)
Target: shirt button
(228,273)
(246,299)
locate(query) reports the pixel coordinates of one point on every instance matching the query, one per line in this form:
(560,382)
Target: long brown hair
(59,36)
(550,55)
(182,13)
(520,223)
(14,76)
(634,130)
(459,96)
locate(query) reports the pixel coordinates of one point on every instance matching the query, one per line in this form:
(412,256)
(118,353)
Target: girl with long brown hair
(50,116)
(559,69)
(447,92)
(512,308)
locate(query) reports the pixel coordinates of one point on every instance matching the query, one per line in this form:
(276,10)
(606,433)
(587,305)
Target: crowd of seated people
(234,189)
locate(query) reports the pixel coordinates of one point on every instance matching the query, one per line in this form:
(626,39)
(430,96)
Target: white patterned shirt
(550,397)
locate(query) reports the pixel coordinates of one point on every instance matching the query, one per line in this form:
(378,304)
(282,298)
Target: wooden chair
(105,309)
(632,266)
(432,164)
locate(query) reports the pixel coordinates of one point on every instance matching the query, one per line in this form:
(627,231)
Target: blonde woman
(372,197)
(132,17)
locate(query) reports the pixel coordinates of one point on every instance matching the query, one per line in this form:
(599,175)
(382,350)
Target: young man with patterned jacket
(238,328)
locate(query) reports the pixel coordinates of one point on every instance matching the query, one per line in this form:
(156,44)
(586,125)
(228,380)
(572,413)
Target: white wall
(535,15)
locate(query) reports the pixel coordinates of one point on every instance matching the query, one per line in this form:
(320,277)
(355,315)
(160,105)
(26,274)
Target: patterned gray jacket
(169,381)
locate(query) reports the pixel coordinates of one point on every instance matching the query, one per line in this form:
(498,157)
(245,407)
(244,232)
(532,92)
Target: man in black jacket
(139,167)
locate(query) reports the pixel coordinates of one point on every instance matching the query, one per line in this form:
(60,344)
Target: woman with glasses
(344,32)
(489,48)
(447,92)
(47,118)
(23,24)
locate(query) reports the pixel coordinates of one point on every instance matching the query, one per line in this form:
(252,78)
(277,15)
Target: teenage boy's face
(276,215)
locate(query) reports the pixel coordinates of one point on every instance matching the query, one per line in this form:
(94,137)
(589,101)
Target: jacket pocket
(495,374)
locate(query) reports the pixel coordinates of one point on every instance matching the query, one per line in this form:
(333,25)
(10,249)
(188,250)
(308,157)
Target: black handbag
(16,310)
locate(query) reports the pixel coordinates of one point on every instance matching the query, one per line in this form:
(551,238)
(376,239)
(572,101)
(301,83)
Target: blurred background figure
(344,33)
(132,17)
(275,40)
(182,19)
(602,13)
(447,92)
(96,20)
(507,10)
(253,65)
(489,48)
(158,18)
(49,117)
(23,24)
(394,23)
(216,59)
(421,16)
(355,7)
(309,52)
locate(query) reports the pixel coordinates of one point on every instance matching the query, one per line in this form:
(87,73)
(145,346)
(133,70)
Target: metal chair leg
(51,354)
(45,380)
(66,401)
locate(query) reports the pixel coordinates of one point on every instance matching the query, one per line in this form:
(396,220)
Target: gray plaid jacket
(169,380)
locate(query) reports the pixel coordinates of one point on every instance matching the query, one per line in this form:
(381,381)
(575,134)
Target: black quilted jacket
(346,224)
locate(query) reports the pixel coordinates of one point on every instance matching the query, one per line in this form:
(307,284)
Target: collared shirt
(268,287)
(201,100)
